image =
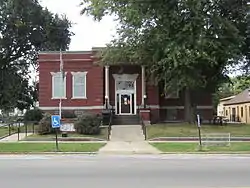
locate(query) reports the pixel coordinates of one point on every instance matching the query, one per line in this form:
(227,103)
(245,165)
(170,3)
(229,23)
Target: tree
(186,43)
(25,29)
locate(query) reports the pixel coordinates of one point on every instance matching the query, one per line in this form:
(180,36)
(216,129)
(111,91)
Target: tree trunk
(188,106)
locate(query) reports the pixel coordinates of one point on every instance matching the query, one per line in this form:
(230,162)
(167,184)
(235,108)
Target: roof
(243,97)
(65,52)
(227,98)
(73,52)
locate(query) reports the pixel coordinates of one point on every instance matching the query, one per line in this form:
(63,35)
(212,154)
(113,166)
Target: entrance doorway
(125,103)
(125,89)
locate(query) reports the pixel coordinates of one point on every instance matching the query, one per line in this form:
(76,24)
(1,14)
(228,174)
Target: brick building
(89,87)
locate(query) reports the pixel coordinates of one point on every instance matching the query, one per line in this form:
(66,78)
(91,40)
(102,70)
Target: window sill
(57,98)
(79,98)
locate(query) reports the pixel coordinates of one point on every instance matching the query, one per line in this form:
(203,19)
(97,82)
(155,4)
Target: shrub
(88,124)
(33,115)
(44,126)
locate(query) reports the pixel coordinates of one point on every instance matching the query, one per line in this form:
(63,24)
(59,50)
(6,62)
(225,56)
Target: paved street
(139,171)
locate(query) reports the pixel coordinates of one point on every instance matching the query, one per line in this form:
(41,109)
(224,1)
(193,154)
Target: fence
(216,139)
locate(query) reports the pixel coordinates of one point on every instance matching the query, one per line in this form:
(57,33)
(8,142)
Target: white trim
(143,85)
(72,107)
(52,85)
(107,84)
(127,77)
(73,84)
(101,107)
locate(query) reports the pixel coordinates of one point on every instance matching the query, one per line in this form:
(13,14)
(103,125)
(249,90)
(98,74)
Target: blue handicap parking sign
(55,121)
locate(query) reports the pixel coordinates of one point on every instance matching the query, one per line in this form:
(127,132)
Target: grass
(49,147)
(193,147)
(102,135)
(182,130)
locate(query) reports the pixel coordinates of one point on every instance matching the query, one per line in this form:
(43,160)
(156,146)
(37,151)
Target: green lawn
(49,147)
(102,135)
(193,147)
(182,130)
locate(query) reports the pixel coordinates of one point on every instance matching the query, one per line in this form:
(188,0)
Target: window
(241,111)
(79,85)
(58,86)
(171,114)
(172,95)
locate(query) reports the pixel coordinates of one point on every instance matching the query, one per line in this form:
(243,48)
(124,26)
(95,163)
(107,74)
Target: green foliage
(33,115)
(88,124)
(44,126)
(26,28)
(186,44)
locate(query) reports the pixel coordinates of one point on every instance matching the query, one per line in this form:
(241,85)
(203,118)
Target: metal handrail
(144,127)
(110,124)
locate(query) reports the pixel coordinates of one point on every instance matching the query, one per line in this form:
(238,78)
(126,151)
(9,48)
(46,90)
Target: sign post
(55,123)
(199,130)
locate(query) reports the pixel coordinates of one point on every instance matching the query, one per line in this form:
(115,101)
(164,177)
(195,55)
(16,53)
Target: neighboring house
(91,87)
(238,108)
(220,108)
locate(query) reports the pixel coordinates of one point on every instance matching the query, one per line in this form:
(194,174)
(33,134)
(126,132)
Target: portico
(126,91)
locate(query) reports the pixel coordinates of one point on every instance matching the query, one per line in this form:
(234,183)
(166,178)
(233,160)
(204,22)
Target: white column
(142,85)
(107,84)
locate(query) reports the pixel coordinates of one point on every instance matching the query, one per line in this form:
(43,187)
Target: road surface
(187,171)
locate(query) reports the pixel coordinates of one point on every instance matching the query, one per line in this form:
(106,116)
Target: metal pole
(33,127)
(9,129)
(18,132)
(57,147)
(199,131)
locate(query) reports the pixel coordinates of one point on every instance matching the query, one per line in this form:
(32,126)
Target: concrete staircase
(126,120)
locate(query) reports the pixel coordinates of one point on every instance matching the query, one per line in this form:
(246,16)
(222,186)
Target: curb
(103,154)
(183,139)
(47,153)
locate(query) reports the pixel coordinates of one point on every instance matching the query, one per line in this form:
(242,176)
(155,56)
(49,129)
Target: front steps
(126,120)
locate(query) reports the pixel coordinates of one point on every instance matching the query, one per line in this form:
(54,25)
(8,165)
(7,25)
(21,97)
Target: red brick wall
(72,63)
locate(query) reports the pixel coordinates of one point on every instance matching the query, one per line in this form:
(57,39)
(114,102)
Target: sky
(88,33)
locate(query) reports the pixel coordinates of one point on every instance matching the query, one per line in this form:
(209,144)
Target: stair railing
(144,127)
(110,125)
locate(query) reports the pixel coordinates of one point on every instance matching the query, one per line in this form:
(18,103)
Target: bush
(88,124)
(44,126)
(33,115)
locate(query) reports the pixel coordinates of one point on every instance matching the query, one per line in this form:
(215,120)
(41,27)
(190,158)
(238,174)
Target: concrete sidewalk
(14,137)
(127,139)
(135,147)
